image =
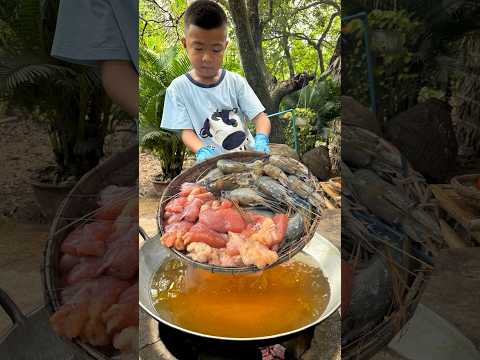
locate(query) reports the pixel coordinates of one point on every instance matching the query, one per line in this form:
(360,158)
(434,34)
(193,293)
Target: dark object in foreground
(424,134)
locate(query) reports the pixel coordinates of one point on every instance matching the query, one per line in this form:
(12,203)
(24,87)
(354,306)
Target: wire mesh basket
(79,208)
(468,187)
(389,217)
(287,249)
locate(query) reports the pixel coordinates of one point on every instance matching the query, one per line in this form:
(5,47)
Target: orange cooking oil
(277,300)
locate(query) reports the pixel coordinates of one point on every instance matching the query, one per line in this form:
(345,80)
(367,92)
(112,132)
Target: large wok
(153,254)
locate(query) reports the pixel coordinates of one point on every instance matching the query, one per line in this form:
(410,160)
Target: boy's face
(205,49)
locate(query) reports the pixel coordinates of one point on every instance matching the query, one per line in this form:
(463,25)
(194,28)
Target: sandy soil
(24,148)
(150,166)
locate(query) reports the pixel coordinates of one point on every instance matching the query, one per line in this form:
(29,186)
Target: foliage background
(290,45)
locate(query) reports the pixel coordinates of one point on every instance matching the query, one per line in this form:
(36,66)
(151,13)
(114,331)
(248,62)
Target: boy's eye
(217,50)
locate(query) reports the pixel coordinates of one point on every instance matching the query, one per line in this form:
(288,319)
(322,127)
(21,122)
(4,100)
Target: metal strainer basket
(286,250)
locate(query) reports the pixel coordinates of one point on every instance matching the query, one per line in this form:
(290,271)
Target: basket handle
(144,234)
(11,308)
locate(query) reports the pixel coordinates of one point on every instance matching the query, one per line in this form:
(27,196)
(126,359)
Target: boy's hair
(205,14)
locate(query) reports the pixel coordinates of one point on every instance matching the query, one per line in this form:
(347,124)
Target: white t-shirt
(217,112)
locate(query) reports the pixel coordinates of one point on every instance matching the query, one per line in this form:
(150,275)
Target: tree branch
(327,29)
(289,86)
(224,3)
(315,3)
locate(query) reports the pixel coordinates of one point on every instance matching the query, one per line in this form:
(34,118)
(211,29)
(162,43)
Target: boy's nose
(206,57)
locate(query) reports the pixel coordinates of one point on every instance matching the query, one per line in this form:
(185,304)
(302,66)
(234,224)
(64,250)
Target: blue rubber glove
(204,153)
(261,143)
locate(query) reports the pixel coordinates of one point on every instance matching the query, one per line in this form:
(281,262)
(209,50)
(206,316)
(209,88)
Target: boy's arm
(263,127)
(120,81)
(191,140)
(262,124)
(253,108)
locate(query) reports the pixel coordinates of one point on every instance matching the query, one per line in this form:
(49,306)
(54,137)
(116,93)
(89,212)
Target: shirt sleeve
(88,31)
(248,100)
(175,116)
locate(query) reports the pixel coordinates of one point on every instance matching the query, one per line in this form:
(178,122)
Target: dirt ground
(24,148)
(149,165)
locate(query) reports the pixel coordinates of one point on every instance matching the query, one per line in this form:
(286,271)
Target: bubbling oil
(277,300)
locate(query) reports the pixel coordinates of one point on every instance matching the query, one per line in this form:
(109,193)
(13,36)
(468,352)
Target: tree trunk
(320,59)
(288,57)
(248,30)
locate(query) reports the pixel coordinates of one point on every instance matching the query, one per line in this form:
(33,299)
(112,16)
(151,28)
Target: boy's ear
(184,42)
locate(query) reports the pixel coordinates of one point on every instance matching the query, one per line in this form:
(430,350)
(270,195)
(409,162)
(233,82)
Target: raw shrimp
(289,165)
(231,166)
(273,189)
(212,175)
(306,192)
(295,227)
(245,196)
(276,173)
(231,182)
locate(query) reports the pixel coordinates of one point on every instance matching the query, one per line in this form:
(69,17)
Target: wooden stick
(328,190)
(451,237)
(329,205)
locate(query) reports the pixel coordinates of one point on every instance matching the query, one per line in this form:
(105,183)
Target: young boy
(102,33)
(209,105)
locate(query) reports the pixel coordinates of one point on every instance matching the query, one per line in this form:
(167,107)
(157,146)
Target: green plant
(158,70)
(308,136)
(394,38)
(68,98)
(322,101)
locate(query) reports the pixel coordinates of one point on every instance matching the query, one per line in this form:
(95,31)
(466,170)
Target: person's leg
(120,81)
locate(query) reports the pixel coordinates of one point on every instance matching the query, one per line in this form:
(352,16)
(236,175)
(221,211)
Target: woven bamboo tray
(379,156)
(286,251)
(122,170)
(464,185)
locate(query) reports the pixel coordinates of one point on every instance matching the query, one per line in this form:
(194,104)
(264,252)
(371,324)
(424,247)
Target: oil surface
(280,299)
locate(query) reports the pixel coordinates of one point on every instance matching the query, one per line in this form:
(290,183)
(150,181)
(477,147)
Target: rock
(318,161)
(424,135)
(123,136)
(297,346)
(335,147)
(284,150)
(326,340)
(354,113)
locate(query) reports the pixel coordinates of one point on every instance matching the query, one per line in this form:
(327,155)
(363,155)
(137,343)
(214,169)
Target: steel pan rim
(323,317)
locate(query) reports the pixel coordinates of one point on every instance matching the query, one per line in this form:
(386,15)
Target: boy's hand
(261,143)
(204,153)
